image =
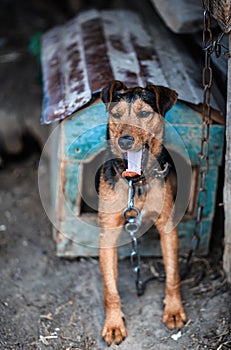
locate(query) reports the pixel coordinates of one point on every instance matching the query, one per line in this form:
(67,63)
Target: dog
(135,145)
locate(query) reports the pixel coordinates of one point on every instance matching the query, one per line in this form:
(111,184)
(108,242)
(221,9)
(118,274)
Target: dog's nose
(126,142)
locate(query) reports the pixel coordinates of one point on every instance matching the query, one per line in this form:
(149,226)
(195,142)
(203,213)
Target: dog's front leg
(174,315)
(114,329)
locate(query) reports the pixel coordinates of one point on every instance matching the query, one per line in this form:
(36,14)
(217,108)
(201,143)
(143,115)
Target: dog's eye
(143,114)
(116,115)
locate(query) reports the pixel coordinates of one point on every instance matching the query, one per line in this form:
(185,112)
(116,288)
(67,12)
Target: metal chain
(132,226)
(211,46)
(132,217)
(216,46)
(207,79)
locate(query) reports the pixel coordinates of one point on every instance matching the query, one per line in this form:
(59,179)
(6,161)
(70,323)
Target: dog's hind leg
(114,329)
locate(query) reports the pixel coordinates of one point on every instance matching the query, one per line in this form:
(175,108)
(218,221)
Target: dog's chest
(148,197)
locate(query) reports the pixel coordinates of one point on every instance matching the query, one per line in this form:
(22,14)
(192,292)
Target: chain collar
(155,172)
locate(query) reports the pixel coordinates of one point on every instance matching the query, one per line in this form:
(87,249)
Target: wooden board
(227,188)
(181,16)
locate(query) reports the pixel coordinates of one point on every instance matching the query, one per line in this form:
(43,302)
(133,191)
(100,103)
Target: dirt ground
(52,303)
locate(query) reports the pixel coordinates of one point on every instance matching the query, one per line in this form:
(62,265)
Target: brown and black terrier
(135,137)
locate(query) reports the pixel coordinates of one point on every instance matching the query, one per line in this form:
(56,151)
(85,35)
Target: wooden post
(227,187)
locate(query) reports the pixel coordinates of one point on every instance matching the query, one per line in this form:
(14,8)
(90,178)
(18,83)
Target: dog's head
(135,123)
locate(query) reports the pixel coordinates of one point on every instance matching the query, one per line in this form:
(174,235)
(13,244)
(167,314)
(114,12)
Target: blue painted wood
(81,239)
(83,136)
(70,190)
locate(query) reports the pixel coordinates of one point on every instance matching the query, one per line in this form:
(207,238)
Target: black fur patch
(109,172)
(131,96)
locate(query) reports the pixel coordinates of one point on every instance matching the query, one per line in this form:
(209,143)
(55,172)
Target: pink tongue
(134,164)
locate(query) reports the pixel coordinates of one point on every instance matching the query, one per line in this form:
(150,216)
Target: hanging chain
(207,79)
(131,215)
(211,46)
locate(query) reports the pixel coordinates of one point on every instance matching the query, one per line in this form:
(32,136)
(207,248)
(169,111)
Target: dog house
(78,60)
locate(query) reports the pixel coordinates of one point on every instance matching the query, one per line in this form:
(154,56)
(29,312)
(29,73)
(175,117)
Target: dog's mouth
(136,161)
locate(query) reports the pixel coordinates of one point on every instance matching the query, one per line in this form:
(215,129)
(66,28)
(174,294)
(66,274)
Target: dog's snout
(126,142)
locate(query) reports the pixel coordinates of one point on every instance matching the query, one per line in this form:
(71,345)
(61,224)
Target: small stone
(176,336)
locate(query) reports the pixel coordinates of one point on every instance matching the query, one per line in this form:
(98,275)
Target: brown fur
(157,203)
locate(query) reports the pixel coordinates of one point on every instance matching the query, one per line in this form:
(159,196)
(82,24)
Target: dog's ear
(165,98)
(109,91)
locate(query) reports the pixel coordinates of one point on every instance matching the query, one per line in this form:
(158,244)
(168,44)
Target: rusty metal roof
(97,47)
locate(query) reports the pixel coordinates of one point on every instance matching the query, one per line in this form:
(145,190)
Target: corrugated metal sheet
(97,47)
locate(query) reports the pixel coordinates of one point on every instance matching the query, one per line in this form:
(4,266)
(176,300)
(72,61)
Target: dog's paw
(114,330)
(174,317)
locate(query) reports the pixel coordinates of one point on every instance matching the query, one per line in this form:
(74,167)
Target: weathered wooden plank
(181,16)
(221,11)
(182,70)
(227,187)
